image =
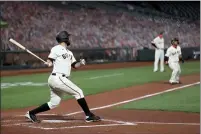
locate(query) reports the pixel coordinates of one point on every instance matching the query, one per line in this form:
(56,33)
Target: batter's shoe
(173,83)
(32,117)
(92,118)
(179,82)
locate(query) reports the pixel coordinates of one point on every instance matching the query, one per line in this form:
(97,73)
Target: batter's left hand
(82,62)
(182,61)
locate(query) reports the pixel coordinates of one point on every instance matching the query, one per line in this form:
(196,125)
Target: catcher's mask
(63,36)
(175,41)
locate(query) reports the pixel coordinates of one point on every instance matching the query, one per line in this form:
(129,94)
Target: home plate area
(62,122)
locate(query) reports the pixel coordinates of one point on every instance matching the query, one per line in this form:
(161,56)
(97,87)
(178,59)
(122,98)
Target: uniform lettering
(175,53)
(66,55)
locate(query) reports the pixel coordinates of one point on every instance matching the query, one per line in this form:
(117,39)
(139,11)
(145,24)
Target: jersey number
(66,56)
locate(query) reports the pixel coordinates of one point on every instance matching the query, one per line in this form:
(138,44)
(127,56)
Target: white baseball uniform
(58,81)
(173,54)
(159,53)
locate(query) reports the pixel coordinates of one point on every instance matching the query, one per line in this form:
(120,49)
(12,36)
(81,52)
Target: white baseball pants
(176,71)
(60,85)
(159,55)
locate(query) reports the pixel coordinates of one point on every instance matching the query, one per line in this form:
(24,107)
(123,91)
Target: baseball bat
(22,47)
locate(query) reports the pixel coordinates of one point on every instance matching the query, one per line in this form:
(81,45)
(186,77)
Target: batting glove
(82,62)
(49,64)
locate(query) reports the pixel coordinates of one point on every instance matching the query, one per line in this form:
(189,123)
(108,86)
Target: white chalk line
(127,101)
(15,124)
(114,123)
(40,114)
(135,99)
(64,121)
(104,76)
(44,121)
(120,122)
(166,123)
(123,102)
(109,120)
(84,126)
(60,121)
(5,121)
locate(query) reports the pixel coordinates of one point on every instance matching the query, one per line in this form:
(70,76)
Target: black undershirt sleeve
(154,45)
(51,59)
(166,58)
(73,64)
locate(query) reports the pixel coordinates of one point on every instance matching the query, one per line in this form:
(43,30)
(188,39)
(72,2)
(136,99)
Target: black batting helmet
(175,40)
(63,36)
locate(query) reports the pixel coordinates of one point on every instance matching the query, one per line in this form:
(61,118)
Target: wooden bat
(22,47)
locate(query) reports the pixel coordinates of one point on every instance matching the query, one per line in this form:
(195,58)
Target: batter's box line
(120,122)
(16,124)
(85,126)
(114,123)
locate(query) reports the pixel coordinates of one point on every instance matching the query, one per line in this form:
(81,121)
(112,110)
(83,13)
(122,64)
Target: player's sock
(40,109)
(82,102)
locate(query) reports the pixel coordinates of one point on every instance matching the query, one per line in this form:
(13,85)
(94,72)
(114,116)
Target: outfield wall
(14,60)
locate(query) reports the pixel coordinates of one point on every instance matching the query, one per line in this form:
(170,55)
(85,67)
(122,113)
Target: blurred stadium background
(101,31)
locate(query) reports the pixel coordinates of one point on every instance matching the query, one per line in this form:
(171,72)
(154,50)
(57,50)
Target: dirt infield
(67,118)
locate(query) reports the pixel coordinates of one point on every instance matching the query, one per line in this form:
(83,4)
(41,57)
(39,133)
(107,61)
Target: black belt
(63,75)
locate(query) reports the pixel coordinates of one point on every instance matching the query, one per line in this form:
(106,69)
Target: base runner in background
(158,43)
(172,58)
(62,60)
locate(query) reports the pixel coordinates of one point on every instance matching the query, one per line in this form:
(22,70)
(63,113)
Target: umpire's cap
(63,36)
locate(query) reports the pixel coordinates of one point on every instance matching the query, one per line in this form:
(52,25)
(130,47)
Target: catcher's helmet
(63,36)
(175,40)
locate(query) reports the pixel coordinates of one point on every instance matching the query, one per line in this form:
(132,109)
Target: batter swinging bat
(22,47)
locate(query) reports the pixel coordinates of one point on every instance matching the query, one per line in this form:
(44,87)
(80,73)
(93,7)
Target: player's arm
(167,56)
(153,43)
(166,59)
(49,62)
(180,56)
(76,64)
(51,57)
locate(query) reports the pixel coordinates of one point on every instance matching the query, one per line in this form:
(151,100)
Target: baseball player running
(62,60)
(158,43)
(172,57)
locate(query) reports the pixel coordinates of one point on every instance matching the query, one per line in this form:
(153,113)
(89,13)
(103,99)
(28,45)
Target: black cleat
(179,82)
(32,117)
(92,118)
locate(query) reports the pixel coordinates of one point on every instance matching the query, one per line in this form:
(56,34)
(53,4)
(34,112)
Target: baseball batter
(172,58)
(158,43)
(62,60)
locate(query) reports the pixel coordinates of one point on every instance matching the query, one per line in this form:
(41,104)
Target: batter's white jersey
(159,42)
(173,54)
(63,58)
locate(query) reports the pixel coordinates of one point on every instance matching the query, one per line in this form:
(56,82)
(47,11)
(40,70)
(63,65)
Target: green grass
(24,96)
(186,100)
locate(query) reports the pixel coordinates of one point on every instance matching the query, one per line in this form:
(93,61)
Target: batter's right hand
(49,64)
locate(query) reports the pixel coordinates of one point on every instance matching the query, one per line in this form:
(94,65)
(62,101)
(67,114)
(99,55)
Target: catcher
(172,58)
